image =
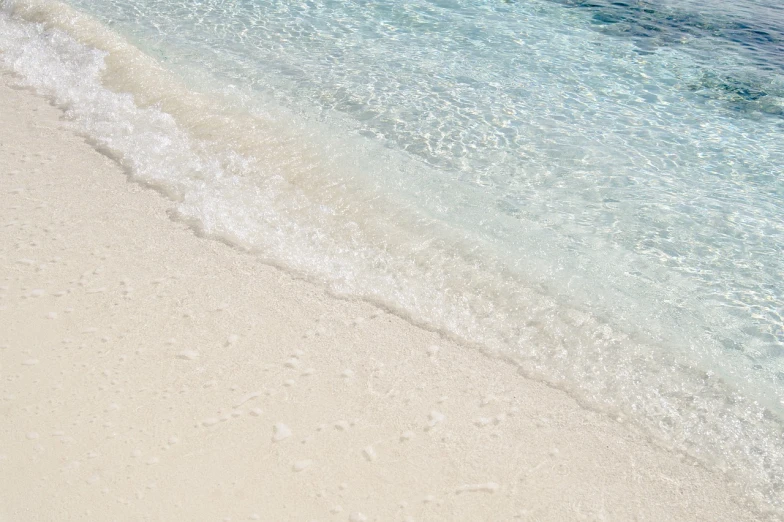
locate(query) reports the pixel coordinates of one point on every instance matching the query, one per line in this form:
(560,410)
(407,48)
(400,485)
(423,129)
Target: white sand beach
(150,374)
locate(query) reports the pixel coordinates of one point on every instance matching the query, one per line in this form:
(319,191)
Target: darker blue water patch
(757,30)
(750,94)
(754,31)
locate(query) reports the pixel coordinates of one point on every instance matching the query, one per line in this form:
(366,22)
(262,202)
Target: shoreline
(152,374)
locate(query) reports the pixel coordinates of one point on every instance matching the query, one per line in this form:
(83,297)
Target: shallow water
(593,189)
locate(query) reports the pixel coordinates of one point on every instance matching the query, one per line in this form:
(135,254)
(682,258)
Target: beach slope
(150,374)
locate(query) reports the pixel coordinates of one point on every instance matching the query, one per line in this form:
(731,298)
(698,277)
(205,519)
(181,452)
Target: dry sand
(149,374)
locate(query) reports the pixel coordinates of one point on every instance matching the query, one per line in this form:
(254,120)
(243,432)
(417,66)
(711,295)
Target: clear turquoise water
(594,189)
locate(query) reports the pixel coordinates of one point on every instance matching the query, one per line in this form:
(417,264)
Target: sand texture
(150,374)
